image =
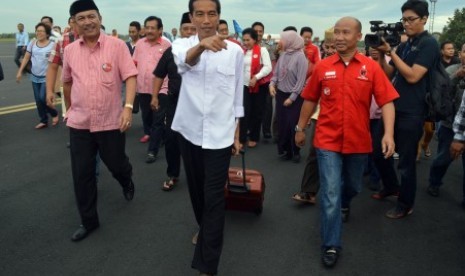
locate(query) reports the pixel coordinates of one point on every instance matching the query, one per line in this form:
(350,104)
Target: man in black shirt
(167,103)
(408,69)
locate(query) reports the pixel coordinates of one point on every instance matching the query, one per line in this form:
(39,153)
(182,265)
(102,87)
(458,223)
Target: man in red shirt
(311,51)
(344,85)
(94,68)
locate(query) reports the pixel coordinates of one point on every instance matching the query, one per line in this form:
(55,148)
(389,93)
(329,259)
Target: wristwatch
(298,129)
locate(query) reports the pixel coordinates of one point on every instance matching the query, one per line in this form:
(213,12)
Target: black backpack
(440,99)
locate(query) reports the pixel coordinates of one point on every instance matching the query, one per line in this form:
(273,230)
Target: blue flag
(237,28)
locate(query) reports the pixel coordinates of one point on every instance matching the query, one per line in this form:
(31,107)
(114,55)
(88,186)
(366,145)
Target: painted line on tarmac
(7,56)
(21,107)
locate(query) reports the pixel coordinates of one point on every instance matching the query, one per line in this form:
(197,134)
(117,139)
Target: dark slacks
(19,53)
(206,173)
(408,130)
(84,146)
(287,120)
(267,111)
(311,178)
(254,105)
(172,153)
(443,159)
(146,111)
(157,129)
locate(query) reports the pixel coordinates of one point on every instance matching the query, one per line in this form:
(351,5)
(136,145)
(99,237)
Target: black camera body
(389,31)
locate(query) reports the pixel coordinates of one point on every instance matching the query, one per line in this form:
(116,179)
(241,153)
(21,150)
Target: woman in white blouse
(257,72)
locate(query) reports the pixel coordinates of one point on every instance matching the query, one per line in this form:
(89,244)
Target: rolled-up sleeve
(239,93)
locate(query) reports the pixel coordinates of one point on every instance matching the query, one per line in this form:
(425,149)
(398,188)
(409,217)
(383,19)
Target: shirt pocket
(107,76)
(226,77)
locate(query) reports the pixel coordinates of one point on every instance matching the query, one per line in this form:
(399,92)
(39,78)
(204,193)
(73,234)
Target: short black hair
(217,2)
(135,24)
(154,18)
(306,30)
(222,21)
(420,7)
(253,34)
(48,29)
(445,43)
(47,17)
(290,28)
(257,23)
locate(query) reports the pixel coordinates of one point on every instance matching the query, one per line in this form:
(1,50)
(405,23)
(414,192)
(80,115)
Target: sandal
(251,144)
(427,152)
(40,126)
(55,120)
(168,185)
(304,197)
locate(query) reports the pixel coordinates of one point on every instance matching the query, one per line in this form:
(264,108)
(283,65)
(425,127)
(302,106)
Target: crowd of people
(206,95)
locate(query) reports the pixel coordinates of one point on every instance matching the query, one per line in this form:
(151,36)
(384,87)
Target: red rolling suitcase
(245,189)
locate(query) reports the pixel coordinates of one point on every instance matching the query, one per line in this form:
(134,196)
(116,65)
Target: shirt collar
(101,39)
(158,41)
(336,58)
(416,39)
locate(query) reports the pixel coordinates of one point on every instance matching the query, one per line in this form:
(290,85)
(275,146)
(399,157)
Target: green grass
(3,40)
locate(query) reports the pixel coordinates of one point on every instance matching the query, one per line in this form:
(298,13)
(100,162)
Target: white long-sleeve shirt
(264,60)
(211,94)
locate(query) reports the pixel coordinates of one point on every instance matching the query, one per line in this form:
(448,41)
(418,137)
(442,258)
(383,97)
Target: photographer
(408,70)
(446,134)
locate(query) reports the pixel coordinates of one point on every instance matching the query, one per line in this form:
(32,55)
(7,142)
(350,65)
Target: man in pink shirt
(94,68)
(146,56)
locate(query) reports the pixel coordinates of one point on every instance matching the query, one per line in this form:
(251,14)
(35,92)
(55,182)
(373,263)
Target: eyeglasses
(409,19)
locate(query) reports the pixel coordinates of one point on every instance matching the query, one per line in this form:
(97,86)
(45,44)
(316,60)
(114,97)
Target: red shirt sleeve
(312,89)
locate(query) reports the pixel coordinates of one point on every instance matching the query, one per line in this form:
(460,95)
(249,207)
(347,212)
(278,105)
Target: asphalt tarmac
(152,234)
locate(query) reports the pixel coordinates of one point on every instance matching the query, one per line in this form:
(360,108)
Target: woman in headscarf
(286,85)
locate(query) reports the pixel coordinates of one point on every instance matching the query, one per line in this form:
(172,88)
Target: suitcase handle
(236,188)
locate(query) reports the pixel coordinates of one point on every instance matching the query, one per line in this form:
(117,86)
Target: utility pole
(433,11)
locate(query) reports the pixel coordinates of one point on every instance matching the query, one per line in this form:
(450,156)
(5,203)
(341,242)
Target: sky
(274,14)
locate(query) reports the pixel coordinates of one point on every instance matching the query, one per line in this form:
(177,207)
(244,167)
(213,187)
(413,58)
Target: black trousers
(84,147)
(172,153)
(267,111)
(288,117)
(157,129)
(408,130)
(254,105)
(206,172)
(146,111)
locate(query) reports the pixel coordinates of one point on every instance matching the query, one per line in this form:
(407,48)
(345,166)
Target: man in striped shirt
(94,68)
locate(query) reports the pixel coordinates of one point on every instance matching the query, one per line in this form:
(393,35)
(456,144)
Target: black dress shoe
(329,257)
(128,191)
(81,233)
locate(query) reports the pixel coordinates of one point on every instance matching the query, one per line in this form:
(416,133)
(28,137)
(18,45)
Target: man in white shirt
(209,105)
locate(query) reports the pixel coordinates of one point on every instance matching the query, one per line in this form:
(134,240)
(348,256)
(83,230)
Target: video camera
(390,32)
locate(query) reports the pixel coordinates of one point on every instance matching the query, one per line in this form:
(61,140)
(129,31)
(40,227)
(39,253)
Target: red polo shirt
(345,93)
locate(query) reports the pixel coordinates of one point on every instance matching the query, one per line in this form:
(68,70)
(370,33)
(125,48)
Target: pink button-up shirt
(146,57)
(97,75)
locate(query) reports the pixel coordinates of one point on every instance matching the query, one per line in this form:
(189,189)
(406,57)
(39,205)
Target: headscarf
(293,46)
(291,41)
